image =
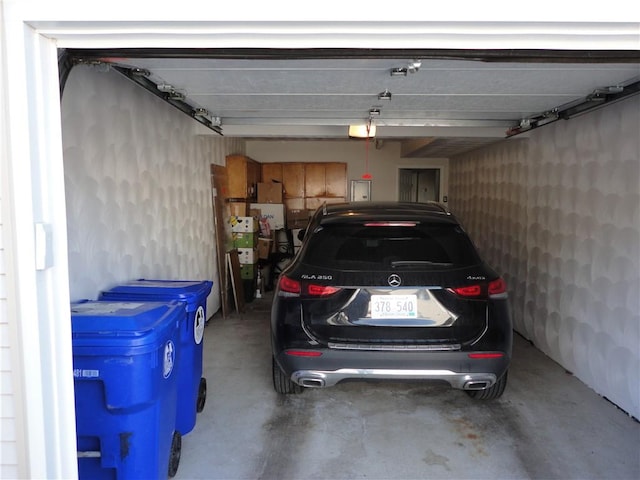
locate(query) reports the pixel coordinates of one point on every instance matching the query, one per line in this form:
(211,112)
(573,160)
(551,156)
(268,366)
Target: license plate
(394,306)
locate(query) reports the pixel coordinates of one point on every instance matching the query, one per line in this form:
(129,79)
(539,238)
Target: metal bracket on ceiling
(170,95)
(596,99)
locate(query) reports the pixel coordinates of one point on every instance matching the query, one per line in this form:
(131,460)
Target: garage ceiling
(440,103)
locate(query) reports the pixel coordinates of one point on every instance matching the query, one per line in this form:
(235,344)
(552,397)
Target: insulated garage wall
(137,185)
(558,214)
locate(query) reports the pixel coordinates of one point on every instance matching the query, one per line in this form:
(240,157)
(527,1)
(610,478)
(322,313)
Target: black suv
(389,291)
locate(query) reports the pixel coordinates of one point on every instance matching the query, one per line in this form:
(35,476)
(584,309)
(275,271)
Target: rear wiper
(404,263)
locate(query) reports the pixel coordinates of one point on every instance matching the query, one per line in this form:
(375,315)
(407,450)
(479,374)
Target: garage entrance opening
(419,185)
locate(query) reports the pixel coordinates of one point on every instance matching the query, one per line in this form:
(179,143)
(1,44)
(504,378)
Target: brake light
(288,285)
(321,290)
(390,224)
(477,356)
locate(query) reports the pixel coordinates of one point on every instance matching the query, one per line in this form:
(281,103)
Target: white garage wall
(137,185)
(558,214)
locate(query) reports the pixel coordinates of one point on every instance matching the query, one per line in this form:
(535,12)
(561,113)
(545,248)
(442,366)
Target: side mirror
(301,233)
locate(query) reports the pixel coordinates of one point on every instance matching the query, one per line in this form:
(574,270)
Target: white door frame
(33,201)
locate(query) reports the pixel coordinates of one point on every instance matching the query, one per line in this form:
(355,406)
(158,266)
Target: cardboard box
(244,239)
(249,271)
(239,209)
(248,256)
(273,213)
(243,224)
(270,192)
(298,218)
(264,248)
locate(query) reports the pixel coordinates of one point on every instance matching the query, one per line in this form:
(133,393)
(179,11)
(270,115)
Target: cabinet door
(336,179)
(314,180)
(293,175)
(254,175)
(272,172)
(237,176)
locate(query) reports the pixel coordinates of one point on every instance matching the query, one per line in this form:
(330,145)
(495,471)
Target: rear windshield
(420,246)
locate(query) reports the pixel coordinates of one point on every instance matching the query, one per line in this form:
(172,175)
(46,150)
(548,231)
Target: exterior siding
(8,445)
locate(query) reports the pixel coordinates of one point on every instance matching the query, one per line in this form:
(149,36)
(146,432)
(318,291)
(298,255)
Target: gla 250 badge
(306,276)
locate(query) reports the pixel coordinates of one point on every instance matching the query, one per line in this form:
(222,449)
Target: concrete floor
(547,424)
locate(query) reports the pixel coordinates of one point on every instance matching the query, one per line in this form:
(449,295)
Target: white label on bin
(169,359)
(198,325)
(81,373)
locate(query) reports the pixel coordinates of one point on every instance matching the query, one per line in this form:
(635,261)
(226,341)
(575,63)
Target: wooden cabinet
(308,185)
(293,178)
(244,174)
(326,180)
(314,180)
(272,172)
(336,180)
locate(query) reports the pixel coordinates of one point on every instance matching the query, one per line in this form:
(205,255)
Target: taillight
(495,288)
(293,287)
(470,291)
(321,290)
(289,285)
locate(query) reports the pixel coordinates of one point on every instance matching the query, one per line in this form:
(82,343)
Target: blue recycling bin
(125,377)
(192,386)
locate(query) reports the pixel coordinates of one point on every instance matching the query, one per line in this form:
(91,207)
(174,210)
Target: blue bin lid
(193,292)
(139,325)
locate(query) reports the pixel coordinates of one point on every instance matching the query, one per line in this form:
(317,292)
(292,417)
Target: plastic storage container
(124,358)
(192,386)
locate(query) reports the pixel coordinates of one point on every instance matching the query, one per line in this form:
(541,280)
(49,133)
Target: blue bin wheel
(202,395)
(176,451)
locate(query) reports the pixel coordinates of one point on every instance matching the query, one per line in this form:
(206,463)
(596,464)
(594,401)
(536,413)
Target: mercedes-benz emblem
(394,280)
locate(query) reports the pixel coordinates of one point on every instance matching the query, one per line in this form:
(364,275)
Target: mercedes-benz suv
(389,291)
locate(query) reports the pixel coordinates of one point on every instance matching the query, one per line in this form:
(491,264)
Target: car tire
(491,393)
(281,383)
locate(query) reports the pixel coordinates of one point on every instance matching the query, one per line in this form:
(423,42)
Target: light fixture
(386,95)
(366,130)
(375,111)
(414,66)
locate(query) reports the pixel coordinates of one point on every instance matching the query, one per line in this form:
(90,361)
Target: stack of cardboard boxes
(254,235)
(244,233)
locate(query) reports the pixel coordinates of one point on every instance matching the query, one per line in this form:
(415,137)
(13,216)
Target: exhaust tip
(311,382)
(476,385)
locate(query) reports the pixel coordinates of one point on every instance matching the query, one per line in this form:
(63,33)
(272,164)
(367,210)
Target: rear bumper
(328,378)
(333,366)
